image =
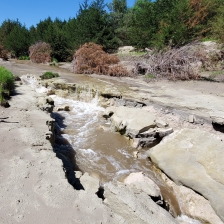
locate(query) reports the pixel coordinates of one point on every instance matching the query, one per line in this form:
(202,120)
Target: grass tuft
(6,85)
(49,75)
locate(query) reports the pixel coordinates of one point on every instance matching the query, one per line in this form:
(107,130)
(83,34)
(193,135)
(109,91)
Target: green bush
(6,85)
(49,75)
(24,57)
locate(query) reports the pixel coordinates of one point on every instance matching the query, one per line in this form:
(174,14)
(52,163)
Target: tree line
(151,24)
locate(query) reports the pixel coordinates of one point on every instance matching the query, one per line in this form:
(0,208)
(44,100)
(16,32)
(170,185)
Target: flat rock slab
(130,120)
(195,159)
(135,206)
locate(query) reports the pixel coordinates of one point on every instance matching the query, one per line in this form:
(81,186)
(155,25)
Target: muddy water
(99,151)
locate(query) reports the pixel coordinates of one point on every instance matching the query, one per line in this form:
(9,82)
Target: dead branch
(179,63)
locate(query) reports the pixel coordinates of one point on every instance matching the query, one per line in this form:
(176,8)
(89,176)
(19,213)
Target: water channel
(99,151)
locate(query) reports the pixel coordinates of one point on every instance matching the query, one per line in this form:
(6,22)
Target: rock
(195,159)
(150,133)
(217,118)
(162,132)
(64,108)
(135,153)
(134,205)
(89,183)
(130,121)
(78,174)
(192,204)
(161,123)
(143,142)
(49,100)
(143,183)
(191,118)
(125,49)
(46,104)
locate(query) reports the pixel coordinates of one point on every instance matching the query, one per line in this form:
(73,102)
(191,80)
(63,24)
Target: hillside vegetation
(148,23)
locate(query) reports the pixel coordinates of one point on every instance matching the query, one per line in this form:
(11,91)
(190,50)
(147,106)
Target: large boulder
(143,183)
(134,205)
(192,204)
(195,159)
(130,121)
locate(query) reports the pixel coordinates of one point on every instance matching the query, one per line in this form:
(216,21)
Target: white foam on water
(89,152)
(34,83)
(67,137)
(114,163)
(187,220)
(125,153)
(82,118)
(120,172)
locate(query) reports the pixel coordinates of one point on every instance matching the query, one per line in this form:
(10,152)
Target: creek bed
(99,151)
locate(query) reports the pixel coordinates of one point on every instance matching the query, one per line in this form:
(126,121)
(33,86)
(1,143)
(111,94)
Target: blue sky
(30,12)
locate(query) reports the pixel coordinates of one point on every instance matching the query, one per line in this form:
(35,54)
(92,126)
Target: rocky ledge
(194,158)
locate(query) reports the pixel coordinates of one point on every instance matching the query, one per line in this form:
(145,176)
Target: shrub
(182,63)
(40,52)
(24,57)
(49,75)
(3,53)
(91,58)
(6,85)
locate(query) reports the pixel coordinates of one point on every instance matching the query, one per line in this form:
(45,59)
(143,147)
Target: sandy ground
(33,185)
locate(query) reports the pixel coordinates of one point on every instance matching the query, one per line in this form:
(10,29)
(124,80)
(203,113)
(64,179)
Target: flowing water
(99,151)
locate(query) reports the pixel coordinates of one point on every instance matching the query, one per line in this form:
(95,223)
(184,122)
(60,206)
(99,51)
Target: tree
(217,23)
(143,24)
(15,37)
(119,20)
(53,32)
(93,25)
(5,29)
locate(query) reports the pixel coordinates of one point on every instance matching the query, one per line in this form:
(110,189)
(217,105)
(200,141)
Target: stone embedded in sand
(195,159)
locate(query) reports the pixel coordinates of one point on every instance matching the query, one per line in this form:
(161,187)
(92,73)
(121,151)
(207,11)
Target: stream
(97,150)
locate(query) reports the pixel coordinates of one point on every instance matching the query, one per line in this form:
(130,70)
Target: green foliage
(15,37)
(52,32)
(143,24)
(3,53)
(93,25)
(24,57)
(153,24)
(49,75)
(217,25)
(6,84)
